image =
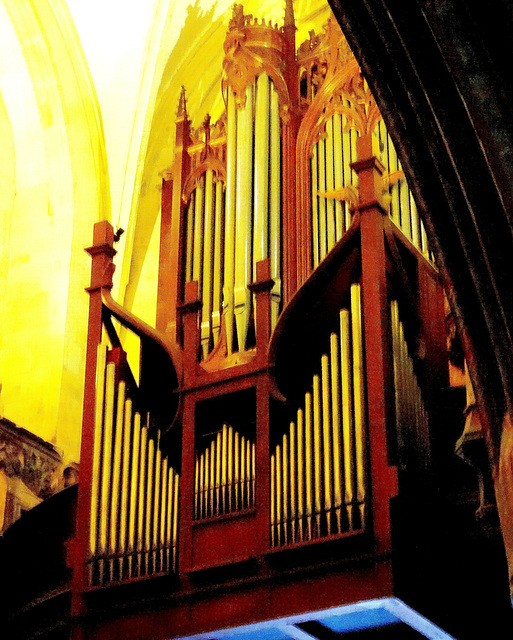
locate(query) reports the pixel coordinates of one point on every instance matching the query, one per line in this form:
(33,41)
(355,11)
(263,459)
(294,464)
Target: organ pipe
(134,484)
(208,251)
(308,467)
(231,186)
(199,213)
(243,266)
(338,173)
(125,481)
(97,455)
(321,169)
(116,469)
(315,207)
(261,170)
(326,433)
(358,406)
(347,412)
(275,204)
(300,481)
(217,300)
(335,425)
(330,183)
(105,499)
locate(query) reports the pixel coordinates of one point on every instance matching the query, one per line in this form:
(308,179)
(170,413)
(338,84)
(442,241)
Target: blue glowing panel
(262,633)
(357,621)
(386,613)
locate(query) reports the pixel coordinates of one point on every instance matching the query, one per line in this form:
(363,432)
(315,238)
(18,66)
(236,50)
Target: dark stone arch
(439,71)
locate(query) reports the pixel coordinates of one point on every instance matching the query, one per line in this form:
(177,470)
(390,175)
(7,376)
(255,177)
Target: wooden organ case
(247,463)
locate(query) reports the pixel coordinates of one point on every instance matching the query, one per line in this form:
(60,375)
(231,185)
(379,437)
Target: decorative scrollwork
(336,81)
(251,48)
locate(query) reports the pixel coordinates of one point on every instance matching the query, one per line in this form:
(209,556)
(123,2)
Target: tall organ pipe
(229,239)
(275,205)
(208,256)
(217,283)
(330,183)
(261,171)
(243,248)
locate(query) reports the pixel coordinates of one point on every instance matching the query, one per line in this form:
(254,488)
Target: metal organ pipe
(321,178)
(132,531)
(217,281)
(330,184)
(318,466)
(338,174)
(275,204)
(229,238)
(315,207)
(244,216)
(97,457)
(208,259)
(261,171)
(199,213)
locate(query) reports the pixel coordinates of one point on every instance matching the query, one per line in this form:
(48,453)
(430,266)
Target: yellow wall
(60,171)
(58,168)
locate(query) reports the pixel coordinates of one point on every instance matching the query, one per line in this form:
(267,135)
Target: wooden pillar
(170,290)
(290,127)
(383,478)
(189,313)
(102,253)
(261,288)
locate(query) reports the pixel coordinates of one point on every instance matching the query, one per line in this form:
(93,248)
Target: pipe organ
(204,242)
(233,215)
(412,420)
(331,177)
(291,227)
(135,488)
(224,479)
(402,208)
(318,466)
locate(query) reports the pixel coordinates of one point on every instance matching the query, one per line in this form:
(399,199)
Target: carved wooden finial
(206,129)
(181,112)
(237,20)
(289,19)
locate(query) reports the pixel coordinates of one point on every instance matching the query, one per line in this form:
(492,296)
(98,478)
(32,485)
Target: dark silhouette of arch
(440,71)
